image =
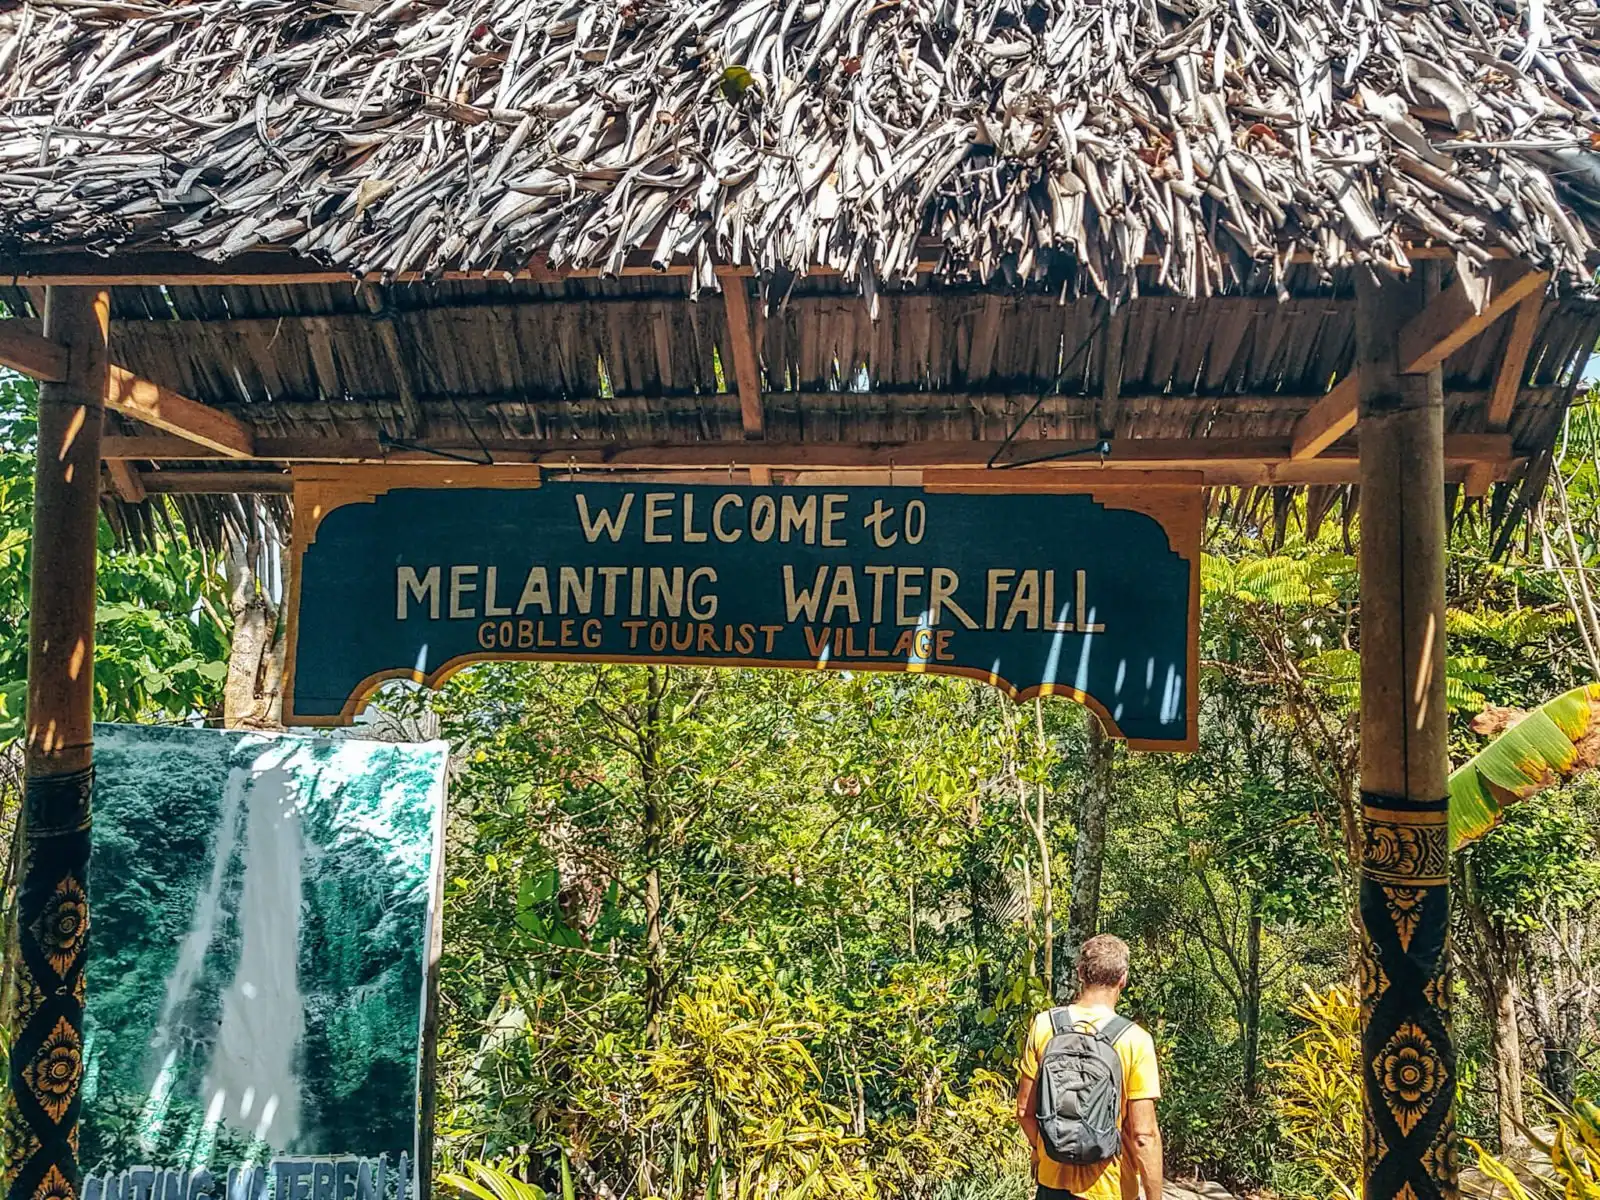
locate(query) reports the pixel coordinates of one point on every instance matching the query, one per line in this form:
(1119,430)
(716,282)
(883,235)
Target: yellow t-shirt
(1140,1081)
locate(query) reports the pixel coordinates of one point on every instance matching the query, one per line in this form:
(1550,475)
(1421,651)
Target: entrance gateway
(1056,277)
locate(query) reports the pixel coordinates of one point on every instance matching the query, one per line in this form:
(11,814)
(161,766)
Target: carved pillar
(41,1134)
(1409,1063)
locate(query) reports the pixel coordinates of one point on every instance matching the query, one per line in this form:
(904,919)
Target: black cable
(1103,447)
(386,442)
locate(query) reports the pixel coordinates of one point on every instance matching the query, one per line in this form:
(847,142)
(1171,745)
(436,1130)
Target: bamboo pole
(1409,1065)
(52,901)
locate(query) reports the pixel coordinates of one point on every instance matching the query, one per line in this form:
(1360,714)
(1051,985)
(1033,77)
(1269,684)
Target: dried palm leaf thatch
(425,136)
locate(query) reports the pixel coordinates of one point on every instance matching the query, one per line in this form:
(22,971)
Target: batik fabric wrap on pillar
(1409,1059)
(52,936)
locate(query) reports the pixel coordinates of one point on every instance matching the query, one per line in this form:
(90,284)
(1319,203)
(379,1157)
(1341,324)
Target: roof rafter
(742,349)
(1470,305)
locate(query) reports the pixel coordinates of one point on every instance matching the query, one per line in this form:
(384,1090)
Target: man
(1102,974)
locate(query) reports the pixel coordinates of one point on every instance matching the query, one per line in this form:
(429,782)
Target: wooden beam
(1108,414)
(1330,419)
(217,483)
(125,481)
(1479,477)
(32,354)
(264,266)
(742,349)
(165,409)
(1514,363)
(1223,461)
(1454,317)
(46,360)
(1475,301)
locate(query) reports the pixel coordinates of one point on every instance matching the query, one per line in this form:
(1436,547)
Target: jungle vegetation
(718,934)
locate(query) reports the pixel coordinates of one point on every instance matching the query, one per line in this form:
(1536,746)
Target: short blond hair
(1103,961)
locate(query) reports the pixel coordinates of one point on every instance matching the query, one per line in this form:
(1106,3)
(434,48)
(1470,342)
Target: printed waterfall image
(263,908)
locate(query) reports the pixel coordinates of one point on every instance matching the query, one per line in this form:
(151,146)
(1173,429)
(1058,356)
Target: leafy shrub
(732,1101)
(1319,1095)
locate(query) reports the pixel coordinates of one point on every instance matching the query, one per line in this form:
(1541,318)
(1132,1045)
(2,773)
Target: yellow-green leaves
(1319,1091)
(1534,751)
(491,1184)
(1280,580)
(1574,1154)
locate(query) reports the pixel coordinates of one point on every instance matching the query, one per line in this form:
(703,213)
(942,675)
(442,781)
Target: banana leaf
(1541,749)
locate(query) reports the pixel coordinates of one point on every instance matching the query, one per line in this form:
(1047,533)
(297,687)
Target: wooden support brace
(125,480)
(1328,420)
(46,361)
(1452,319)
(742,349)
(165,409)
(1514,364)
(1474,302)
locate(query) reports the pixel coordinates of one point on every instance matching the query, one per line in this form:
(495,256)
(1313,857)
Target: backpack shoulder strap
(1115,1028)
(1060,1021)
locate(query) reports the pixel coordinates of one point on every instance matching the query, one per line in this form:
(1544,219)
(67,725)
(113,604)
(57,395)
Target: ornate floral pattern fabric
(52,938)
(1410,1063)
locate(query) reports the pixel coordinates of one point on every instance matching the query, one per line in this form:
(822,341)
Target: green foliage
(490,1183)
(161,641)
(1574,1152)
(731,1098)
(1319,1095)
(1544,747)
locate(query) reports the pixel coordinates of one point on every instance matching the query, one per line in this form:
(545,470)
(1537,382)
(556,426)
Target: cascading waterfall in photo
(250,1085)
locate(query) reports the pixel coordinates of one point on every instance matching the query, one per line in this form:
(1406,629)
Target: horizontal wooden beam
(154,268)
(165,409)
(1222,461)
(30,353)
(217,483)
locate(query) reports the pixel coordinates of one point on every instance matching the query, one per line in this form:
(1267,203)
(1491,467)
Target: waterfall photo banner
(264,905)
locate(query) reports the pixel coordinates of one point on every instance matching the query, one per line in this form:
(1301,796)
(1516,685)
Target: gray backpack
(1080,1091)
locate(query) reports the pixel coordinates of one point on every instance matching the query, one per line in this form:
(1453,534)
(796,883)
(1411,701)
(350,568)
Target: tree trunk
(1047,903)
(975,903)
(1507,1041)
(1494,958)
(1089,855)
(655,950)
(252,697)
(1250,1025)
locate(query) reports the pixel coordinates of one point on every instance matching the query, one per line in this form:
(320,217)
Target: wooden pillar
(1409,1062)
(53,902)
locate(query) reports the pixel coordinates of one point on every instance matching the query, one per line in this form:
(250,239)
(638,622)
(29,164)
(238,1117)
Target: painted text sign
(1083,595)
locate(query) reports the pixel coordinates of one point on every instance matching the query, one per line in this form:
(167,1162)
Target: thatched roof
(1210,139)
